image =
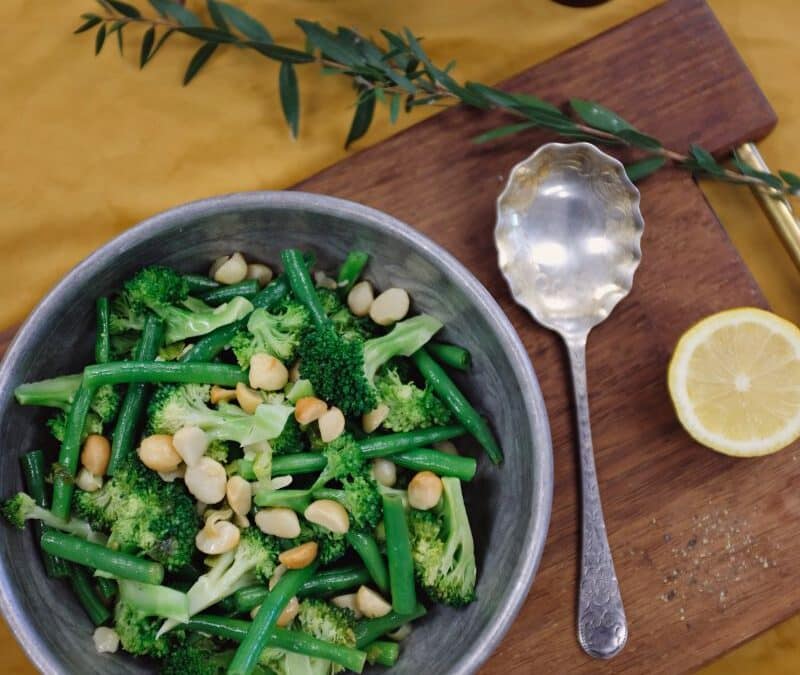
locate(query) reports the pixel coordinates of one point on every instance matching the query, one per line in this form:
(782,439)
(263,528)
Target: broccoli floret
(197,656)
(123,346)
(124,317)
(360,496)
(343,371)
(143,512)
(332,546)
(329,623)
(218,450)
(173,407)
(165,292)
(277,334)
(58,425)
(290,440)
(22,507)
(59,392)
(443,550)
(409,406)
(254,559)
(138,632)
(329,300)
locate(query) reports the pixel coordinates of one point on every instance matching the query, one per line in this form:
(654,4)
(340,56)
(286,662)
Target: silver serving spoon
(568,237)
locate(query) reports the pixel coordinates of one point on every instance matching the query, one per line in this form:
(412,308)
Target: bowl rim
(516,592)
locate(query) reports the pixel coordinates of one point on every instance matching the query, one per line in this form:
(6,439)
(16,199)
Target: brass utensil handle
(602,627)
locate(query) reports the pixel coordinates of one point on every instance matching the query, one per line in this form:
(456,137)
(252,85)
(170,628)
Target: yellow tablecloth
(89,146)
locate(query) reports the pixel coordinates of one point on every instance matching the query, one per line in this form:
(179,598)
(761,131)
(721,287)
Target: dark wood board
(706,548)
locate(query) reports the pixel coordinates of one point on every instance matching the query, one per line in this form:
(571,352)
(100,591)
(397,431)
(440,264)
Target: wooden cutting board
(707,549)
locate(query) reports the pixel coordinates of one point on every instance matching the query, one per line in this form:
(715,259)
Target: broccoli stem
(55,392)
(351,270)
(197,283)
(154,600)
(102,341)
(367,548)
(388,444)
(107,589)
(97,556)
(117,372)
(279,638)
(207,347)
(369,630)
(81,584)
(216,296)
(33,472)
(383,653)
(450,355)
(294,265)
(440,463)
(70,448)
(398,551)
(132,407)
(324,583)
(255,641)
(462,409)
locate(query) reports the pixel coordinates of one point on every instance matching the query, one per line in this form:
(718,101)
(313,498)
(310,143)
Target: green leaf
(99,39)
(492,95)
(328,44)
(215,13)
(160,42)
(639,140)
(119,38)
(198,61)
(394,108)
(147,46)
(290,97)
(638,170)
(282,54)
(792,180)
(535,103)
(172,9)
(501,132)
(243,22)
(125,9)
(208,34)
(361,119)
(770,179)
(599,117)
(705,161)
(91,21)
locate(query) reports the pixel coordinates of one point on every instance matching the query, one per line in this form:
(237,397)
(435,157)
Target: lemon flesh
(734,380)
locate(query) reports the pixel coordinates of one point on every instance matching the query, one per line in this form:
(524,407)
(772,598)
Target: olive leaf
(201,56)
(361,119)
(290,97)
(643,168)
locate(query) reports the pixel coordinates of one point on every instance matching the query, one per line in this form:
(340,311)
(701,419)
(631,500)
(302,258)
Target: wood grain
(706,548)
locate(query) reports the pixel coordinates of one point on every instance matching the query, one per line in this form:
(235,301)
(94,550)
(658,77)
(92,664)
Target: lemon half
(734,380)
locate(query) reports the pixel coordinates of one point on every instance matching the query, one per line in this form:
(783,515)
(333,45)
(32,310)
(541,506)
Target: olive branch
(400,75)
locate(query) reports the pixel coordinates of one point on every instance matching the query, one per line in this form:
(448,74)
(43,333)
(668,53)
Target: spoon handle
(602,628)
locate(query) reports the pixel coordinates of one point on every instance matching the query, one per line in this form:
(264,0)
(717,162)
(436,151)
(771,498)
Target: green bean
(388,444)
(107,589)
(132,406)
(117,372)
(367,548)
(97,556)
(369,630)
(440,463)
(299,462)
(70,449)
(81,584)
(351,270)
(383,653)
(324,583)
(33,471)
(216,296)
(207,347)
(294,641)
(199,283)
(299,279)
(102,341)
(255,641)
(462,409)
(450,355)
(398,551)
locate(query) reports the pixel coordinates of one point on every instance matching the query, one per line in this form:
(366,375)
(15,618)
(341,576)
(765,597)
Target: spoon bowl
(568,238)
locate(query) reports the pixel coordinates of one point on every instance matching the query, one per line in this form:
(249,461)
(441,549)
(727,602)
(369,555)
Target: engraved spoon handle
(602,628)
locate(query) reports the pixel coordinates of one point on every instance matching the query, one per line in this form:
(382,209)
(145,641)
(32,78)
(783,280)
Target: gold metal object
(777,208)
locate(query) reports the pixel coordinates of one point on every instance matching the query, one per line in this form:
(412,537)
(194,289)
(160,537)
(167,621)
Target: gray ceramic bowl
(509,506)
